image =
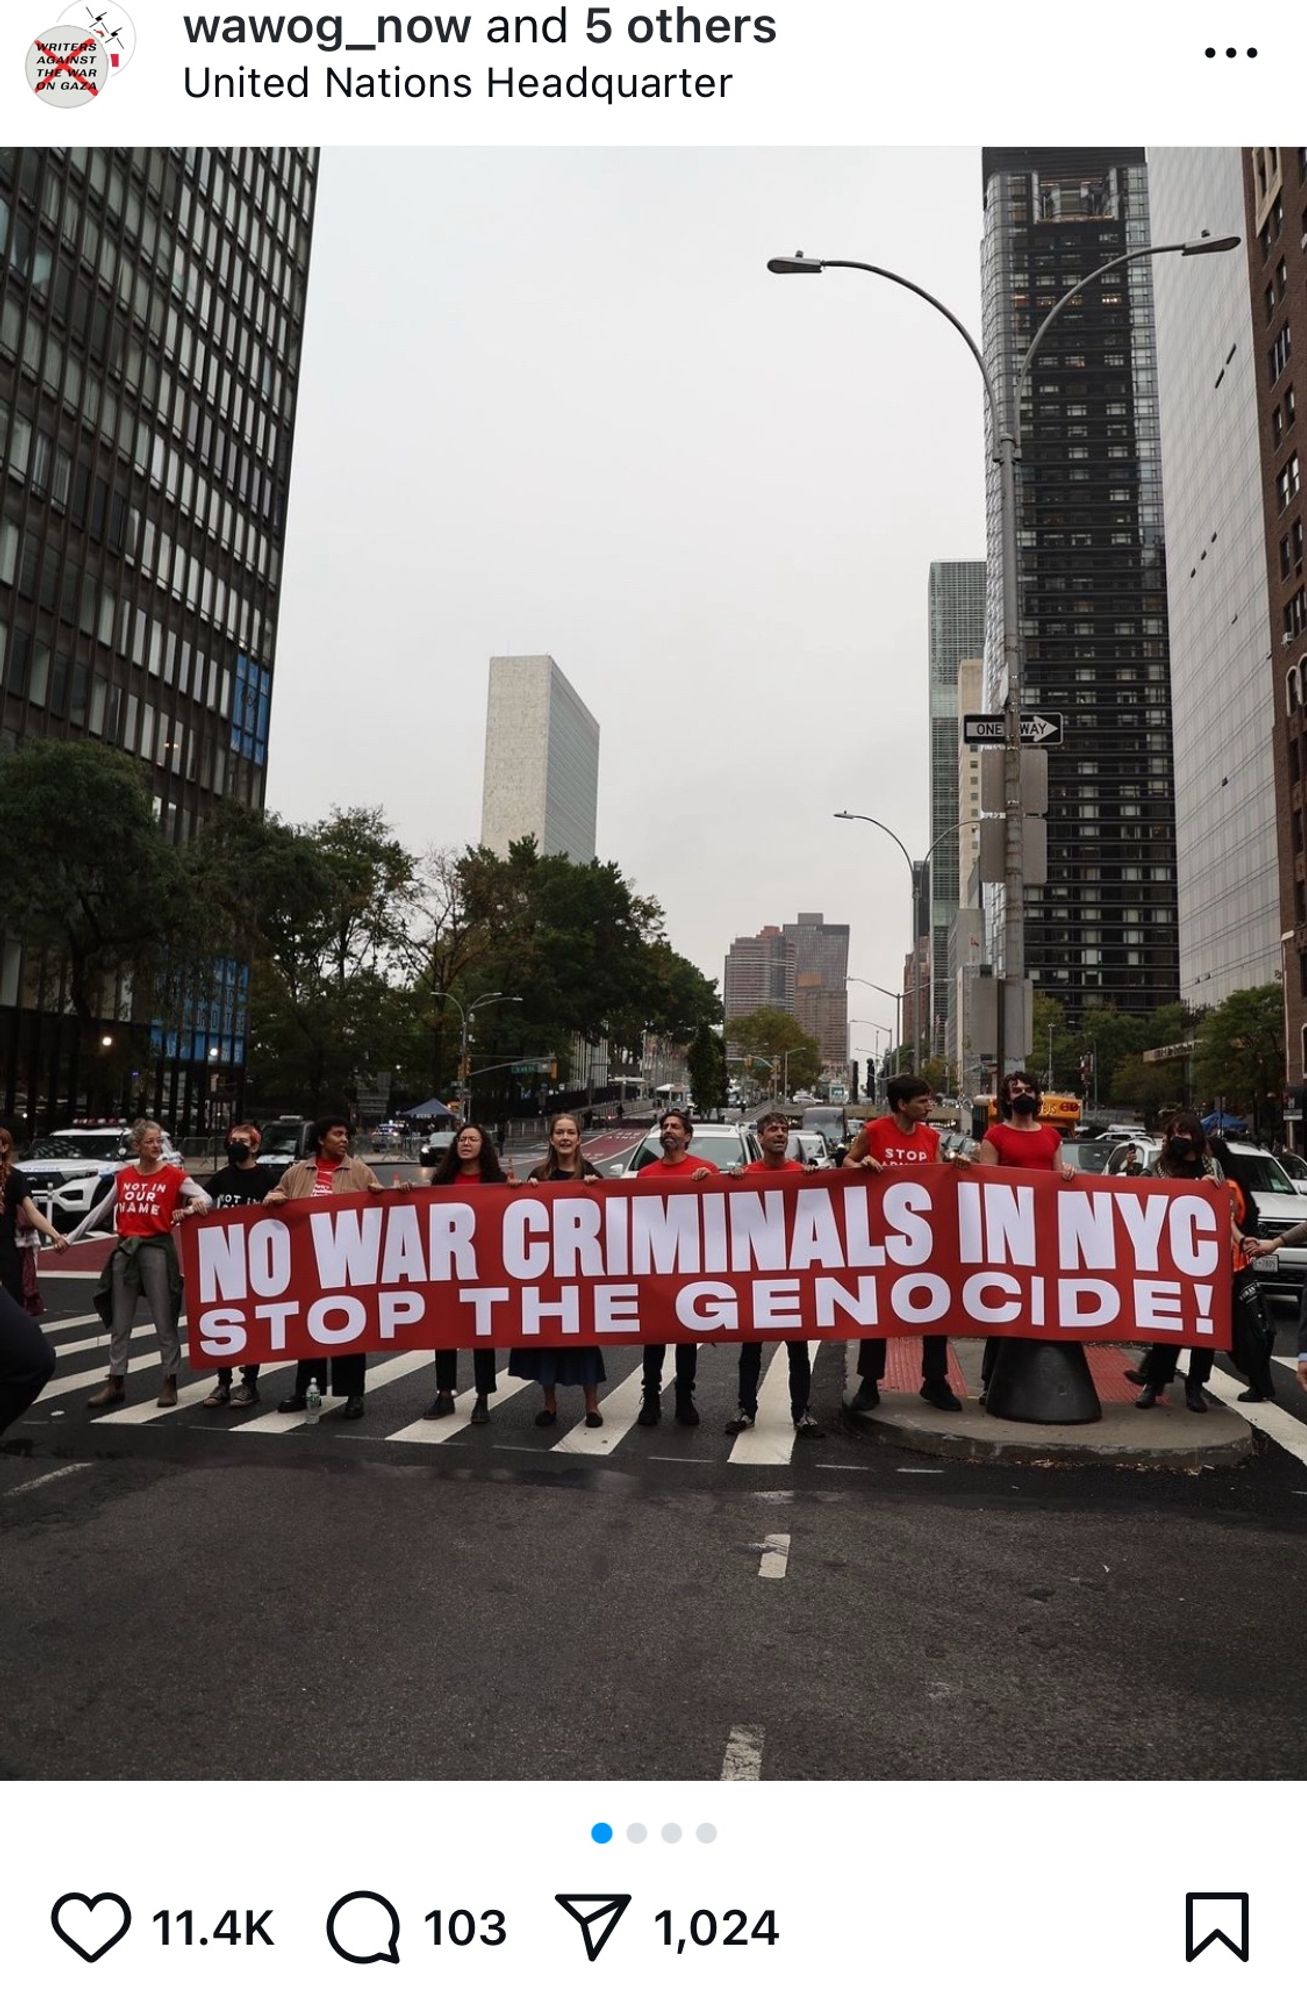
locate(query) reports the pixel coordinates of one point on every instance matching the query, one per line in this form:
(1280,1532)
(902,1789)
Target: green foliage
(1240,1053)
(706,1061)
(768,1032)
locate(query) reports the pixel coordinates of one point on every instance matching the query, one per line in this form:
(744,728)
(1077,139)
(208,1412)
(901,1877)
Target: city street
(232,1593)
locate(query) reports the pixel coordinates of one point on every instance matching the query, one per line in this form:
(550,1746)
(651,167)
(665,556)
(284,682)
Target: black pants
(686,1356)
(249,1374)
(800,1375)
(934,1358)
(347,1372)
(1159,1365)
(483,1370)
(26,1361)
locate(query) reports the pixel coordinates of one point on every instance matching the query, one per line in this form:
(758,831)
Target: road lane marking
(771,1441)
(439,1430)
(618,1410)
(743,1759)
(60,1472)
(66,1385)
(187,1398)
(775,1557)
(278,1422)
(49,1326)
(1290,1432)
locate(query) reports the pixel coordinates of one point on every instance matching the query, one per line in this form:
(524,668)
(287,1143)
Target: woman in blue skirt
(572,1367)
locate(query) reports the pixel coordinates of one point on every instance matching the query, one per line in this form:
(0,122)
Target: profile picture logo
(70,64)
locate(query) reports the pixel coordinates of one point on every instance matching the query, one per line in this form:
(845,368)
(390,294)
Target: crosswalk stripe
(100,1341)
(438,1430)
(277,1422)
(187,1397)
(49,1326)
(619,1411)
(69,1385)
(771,1441)
(1290,1432)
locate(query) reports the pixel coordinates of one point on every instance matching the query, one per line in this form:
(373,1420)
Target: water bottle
(313,1402)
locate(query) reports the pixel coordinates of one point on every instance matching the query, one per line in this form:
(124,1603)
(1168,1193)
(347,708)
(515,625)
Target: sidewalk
(1166,1438)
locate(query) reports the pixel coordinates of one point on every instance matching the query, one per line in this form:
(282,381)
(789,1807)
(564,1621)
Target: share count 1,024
(706,1927)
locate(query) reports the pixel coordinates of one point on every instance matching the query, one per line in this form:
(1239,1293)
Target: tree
(1239,1055)
(771,1032)
(706,1061)
(97,885)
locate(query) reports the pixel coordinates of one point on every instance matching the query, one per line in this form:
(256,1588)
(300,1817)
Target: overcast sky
(552,402)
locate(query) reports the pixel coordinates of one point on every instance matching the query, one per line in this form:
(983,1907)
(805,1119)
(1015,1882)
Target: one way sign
(1036,729)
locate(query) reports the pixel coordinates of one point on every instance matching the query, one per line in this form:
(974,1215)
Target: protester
(1019,1141)
(144,1202)
(19,1217)
(331,1172)
(26,1360)
(1255,1247)
(675,1131)
(1252,1336)
(903,1139)
(471,1161)
(562,1367)
(1186,1155)
(773,1130)
(241,1182)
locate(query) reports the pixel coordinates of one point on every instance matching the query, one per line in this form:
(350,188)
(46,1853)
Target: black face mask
(238,1152)
(1023,1104)
(1185,1149)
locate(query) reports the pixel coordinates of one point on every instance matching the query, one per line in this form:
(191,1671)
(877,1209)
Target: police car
(70,1171)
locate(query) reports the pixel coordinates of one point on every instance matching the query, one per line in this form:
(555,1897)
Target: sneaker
(593,1420)
(217,1399)
(744,1422)
(351,1410)
(243,1395)
(292,1405)
(443,1405)
(651,1409)
(1137,1376)
(685,1411)
(939,1396)
(807,1426)
(480,1411)
(867,1397)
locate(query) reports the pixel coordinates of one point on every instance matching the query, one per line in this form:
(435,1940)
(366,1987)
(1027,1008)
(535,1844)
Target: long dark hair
(1182,1125)
(487,1158)
(551,1167)
(6,1158)
(1235,1170)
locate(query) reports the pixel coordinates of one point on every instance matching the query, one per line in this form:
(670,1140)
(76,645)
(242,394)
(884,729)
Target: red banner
(828,1256)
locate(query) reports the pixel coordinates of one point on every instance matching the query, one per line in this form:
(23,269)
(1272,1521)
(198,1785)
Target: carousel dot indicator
(601,1833)
(637,1832)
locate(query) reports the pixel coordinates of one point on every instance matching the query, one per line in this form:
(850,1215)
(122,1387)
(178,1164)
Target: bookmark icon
(598,1917)
(1215,1916)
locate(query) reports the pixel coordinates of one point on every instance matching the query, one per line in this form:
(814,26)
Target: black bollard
(1042,1382)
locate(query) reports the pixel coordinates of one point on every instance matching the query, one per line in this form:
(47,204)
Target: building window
(1281,349)
(1287,481)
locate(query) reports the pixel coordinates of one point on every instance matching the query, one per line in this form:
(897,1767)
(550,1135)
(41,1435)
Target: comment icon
(363,1928)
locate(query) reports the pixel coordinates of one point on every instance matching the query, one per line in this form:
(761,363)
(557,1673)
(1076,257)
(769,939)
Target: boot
(167,1396)
(112,1392)
(1194,1398)
(1148,1397)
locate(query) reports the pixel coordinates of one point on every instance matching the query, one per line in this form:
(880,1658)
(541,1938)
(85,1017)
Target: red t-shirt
(689,1165)
(781,1167)
(323,1173)
(1037,1148)
(145,1202)
(895,1148)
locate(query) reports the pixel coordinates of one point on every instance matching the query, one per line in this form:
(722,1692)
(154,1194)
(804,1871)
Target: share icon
(598,1917)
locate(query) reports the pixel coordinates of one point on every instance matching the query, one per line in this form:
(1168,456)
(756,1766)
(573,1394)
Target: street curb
(1219,1439)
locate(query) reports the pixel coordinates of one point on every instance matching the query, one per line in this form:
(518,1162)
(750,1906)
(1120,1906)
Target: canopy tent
(1224,1124)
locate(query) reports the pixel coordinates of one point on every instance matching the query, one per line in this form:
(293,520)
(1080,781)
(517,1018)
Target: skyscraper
(956,613)
(1222,698)
(542,760)
(1092,566)
(151,316)
(759,972)
(821,971)
(1275,182)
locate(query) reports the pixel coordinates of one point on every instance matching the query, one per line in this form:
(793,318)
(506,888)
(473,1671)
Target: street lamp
(467,1015)
(1006,451)
(851,978)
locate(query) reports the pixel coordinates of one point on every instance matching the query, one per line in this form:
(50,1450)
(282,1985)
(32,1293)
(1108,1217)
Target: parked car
(1296,1167)
(809,1147)
(286,1140)
(432,1154)
(1090,1156)
(1279,1204)
(70,1170)
(721,1145)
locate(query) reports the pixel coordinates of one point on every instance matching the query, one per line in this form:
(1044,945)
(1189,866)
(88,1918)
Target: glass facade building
(1222,706)
(956,626)
(542,760)
(1092,567)
(151,317)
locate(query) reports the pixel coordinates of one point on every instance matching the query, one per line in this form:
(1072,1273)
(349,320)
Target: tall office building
(1221,695)
(956,625)
(1092,566)
(971,694)
(542,760)
(1276,206)
(760,972)
(151,317)
(821,972)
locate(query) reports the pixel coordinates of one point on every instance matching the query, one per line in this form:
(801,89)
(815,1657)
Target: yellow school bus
(1055,1108)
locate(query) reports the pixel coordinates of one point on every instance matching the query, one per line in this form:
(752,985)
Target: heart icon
(92,1927)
